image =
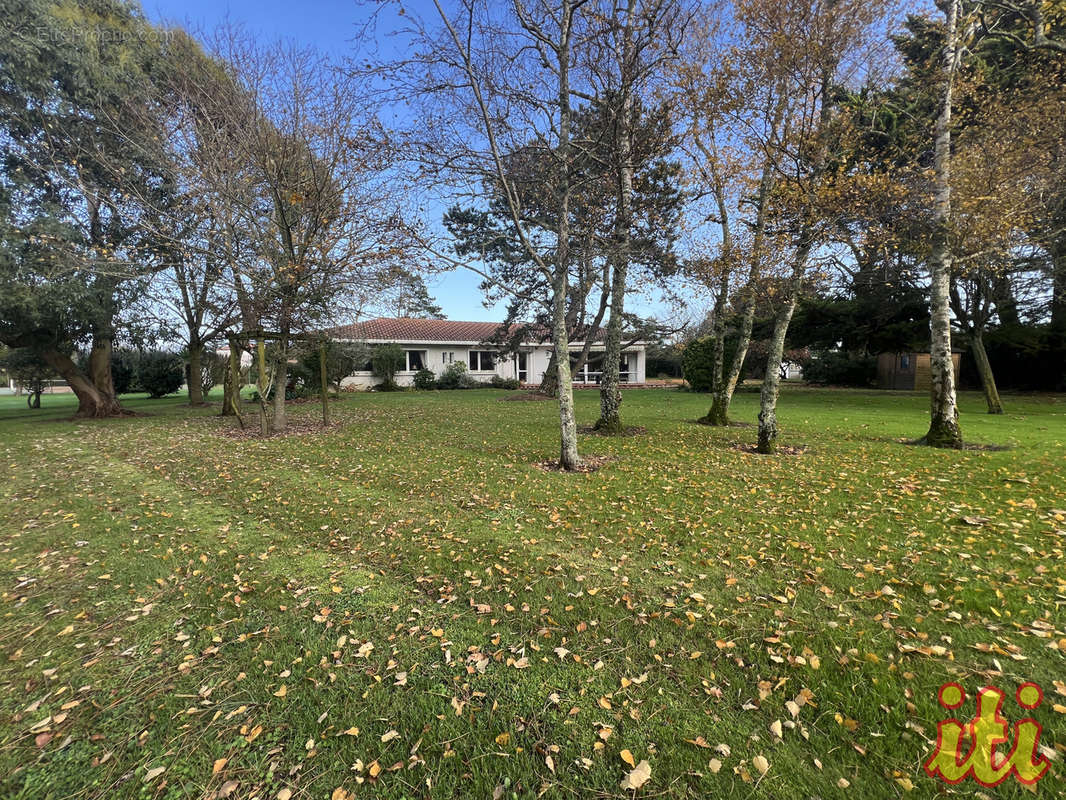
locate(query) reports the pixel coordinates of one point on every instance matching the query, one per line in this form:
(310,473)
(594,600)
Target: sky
(330,26)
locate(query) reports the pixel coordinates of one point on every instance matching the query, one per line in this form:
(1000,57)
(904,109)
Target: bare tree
(301,165)
(493,80)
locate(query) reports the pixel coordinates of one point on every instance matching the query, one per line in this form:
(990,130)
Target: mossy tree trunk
(984,369)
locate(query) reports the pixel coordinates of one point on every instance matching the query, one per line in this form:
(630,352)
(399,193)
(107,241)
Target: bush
(124,370)
(29,371)
(454,376)
(425,379)
(499,382)
(697,364)
(161,373)
(388,359)
(836,368)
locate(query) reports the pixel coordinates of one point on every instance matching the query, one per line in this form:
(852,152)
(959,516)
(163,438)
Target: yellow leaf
(219,765)
(503,739)
(281,692)
(285,794)
(628,758)
(760,763)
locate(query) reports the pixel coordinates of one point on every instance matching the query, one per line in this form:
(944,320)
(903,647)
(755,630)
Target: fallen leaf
(638,776)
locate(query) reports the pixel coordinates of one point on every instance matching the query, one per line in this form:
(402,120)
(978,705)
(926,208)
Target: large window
(482,361)
(416,360)
(523,371)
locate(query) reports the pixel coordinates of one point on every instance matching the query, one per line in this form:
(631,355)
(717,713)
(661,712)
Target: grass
(405,606)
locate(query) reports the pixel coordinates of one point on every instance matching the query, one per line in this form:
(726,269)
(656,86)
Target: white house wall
(537,359)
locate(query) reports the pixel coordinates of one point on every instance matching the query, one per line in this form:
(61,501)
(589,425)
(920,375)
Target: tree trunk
(549,384)
(1058,283)
(984,369)
(1057,337)
(228,384)
(610,420)
(281,378)
(568,456)
(91,403)
(771,382)
(718,331)
(196,391)
(723,395)
(100,372)
(944,428)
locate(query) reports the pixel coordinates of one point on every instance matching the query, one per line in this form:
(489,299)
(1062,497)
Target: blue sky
(329,25)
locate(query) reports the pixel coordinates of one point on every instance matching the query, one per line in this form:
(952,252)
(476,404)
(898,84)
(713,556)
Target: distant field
(406,606)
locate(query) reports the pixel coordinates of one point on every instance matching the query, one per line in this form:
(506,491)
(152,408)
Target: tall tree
(639,39)
(493,80)
(733,107)
(304,162)
(828,46)
(79,160)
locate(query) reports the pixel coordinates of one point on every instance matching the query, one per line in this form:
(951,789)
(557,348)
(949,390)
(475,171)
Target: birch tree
(491,80)
(828,45)
(736,102)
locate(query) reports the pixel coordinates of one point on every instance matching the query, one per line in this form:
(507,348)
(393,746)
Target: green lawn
(405,606)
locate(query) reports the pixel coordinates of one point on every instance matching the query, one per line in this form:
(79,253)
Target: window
(447,358)
(523,373)
(905,362)
(416,360)
(482,361)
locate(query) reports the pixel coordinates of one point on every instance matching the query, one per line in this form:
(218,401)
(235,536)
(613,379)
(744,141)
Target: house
(433,344)
(909,371)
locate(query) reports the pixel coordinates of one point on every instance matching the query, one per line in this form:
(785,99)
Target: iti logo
(953,762)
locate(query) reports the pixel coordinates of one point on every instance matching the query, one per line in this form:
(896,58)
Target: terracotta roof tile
(408,329)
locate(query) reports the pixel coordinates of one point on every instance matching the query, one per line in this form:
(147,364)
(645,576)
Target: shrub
(425,379)
(124,370)
(29,371)
(697,364)
(836,368)
(161,373)
(454,376)
(499,382)
(387,360)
